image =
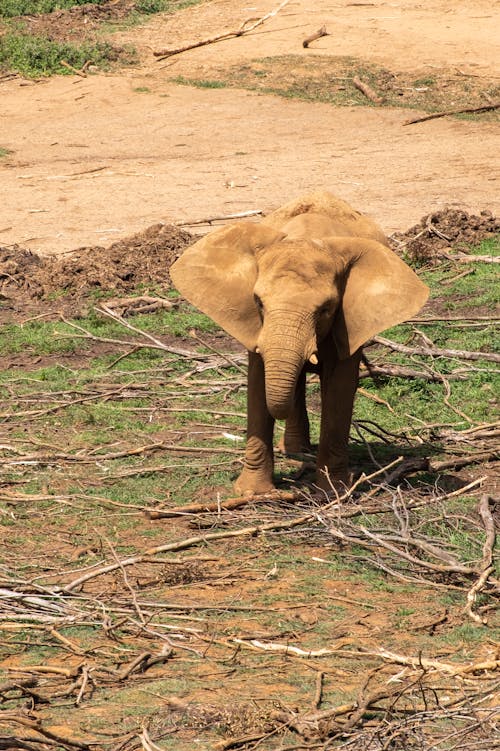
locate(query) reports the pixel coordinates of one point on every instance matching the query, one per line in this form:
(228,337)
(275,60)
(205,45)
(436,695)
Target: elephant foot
(334,483)
(294,446)
(253,483)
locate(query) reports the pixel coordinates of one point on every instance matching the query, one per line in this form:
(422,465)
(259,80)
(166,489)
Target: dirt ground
(213,627)
(93,160)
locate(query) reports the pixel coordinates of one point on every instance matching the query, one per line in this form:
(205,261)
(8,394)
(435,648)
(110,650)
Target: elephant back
(344,219)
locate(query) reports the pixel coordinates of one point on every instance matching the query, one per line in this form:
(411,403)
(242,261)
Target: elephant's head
(282,294)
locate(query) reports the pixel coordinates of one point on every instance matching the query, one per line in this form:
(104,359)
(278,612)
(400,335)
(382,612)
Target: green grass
(12,8)
(34,56)
(42,338)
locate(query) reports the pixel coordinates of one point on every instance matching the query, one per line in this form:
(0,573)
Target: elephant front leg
(296,439)
(339,381)
(257,474)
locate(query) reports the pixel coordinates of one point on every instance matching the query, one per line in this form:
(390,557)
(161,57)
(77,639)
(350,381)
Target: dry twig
(466,110)
(245,28)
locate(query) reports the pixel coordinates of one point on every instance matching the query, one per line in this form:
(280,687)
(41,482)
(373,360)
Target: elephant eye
(258,303)
(325,310)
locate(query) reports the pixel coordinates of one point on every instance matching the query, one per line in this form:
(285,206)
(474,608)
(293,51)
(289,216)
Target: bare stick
(435,351)
(226,217)
(318,696)
(214,506)
(37,726)
(244,29)
(74,70)
(487,566)
(466,258)
(317,35)
(466,110)
(367,90)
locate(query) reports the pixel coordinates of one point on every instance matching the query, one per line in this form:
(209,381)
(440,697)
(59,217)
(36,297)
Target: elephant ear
(380,291)
(218,274)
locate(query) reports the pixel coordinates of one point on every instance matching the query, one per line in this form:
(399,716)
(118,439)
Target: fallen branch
(252,531)
(367,90)
(435,351)
(487,566)
(215,506)
(139,304)
(317,35)
(467,258)
(425,663)
(466,110)
(77,72)
(244,29)
(49,735)
(224,218)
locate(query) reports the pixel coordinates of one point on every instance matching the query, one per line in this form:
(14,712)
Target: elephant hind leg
(296,439)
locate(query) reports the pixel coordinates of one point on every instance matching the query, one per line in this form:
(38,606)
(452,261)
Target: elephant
(302,290)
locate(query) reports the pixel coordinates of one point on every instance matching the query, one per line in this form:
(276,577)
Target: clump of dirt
(142,259)
(444,229)
(19,268)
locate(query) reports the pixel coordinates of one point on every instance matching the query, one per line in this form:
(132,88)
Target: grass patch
(12,8)
(315,78)
(34,56)
(42,338)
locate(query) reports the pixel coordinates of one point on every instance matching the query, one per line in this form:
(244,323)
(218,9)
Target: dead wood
(317,35)
(215,506)
(9,743)
(487,564)
(466,110)
(467,258)
(221,218)
(435,351)
(424,464)
(245,28)
(48,735)
(137,305)
(367,90)
(76,71)
(401,371)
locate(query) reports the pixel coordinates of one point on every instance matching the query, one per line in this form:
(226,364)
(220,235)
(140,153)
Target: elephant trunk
(286,343)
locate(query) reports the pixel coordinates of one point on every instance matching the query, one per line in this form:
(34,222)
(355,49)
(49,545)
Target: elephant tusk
(313,359)
(257,351)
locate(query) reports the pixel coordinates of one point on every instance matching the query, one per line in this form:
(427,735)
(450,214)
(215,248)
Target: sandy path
(97,159)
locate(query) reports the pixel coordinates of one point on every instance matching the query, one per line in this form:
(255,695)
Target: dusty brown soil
(109,155)
(144,258)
